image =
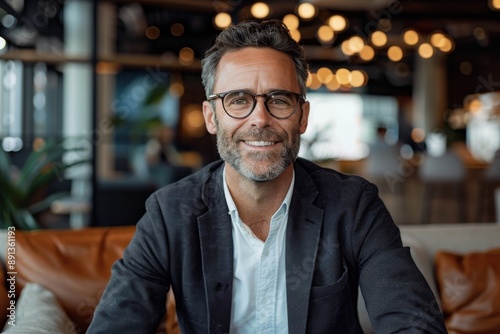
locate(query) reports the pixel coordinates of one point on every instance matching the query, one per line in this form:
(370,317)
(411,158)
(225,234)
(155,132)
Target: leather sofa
(75,264)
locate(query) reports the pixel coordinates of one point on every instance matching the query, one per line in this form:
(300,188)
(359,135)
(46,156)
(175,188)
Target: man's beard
(259,166)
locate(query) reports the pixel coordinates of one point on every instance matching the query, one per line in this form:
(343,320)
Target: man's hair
(272,34)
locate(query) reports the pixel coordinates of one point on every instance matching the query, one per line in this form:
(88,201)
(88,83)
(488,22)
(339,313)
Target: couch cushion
(74,264)
(4,299)
(38,311)
(469,286)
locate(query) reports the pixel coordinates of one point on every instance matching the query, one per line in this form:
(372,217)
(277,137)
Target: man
(263,242)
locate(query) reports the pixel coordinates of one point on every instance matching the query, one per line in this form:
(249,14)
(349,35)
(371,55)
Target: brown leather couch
(75,265)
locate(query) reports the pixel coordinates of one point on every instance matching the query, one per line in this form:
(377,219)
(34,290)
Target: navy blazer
(339,236)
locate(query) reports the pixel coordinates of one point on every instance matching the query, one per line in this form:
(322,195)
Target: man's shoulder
(318,172)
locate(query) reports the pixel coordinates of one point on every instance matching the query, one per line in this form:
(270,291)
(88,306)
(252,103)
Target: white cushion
(38,311)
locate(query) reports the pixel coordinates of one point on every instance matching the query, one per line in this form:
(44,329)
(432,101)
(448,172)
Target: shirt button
(264,300)
(266,253)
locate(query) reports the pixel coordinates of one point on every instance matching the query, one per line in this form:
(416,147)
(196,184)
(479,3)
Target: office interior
(404,93)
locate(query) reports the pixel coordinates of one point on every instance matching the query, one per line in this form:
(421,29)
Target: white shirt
(259,282)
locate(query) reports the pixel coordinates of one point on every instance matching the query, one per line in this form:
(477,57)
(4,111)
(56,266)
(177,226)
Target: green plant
(20,190)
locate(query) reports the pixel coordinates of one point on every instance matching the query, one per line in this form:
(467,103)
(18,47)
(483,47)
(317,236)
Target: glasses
(239,104)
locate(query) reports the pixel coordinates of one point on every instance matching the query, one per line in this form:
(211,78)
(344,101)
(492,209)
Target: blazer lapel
(303,233)
(217,255)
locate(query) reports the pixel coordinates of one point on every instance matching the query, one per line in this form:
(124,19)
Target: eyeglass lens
(241,104)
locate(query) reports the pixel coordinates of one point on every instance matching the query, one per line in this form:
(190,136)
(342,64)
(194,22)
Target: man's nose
(260,116)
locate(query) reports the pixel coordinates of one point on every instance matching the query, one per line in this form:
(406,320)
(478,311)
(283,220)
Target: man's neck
(258,201)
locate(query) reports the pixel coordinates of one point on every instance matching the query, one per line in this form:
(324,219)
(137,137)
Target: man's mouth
(259,143)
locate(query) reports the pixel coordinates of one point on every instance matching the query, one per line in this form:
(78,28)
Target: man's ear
(304,119)
(209,116)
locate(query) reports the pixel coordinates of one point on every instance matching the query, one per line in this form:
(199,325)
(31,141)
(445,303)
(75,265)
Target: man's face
(259,147)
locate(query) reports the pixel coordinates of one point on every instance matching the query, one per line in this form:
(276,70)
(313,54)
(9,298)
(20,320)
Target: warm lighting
(333,85)
(152,32)
(356,43)
(295,35)
(379,38)
(395,53)
(186,56)
(260,10)
(475,106)
(358,78)
(343,76)
(325,34)
(306,10)
(104,67)
(3,43)
(313,81)
(324,75)
(437,39)
(222,20)
(494,4)
(192,121)
(425,50)
(410,37)
(177,29)
(418,135)
(367,53)
(337,23)
(291,21)
(176,89)
(446,45)
(346,48)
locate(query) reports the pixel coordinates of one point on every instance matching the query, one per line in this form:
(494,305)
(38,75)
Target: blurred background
(404,93)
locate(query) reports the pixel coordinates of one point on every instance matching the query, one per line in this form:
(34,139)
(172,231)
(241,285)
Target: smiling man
(262,241)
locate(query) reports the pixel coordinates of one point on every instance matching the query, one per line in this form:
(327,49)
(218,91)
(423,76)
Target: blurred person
(262,241)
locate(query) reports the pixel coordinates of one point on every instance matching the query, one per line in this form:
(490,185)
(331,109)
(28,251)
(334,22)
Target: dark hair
(272,33)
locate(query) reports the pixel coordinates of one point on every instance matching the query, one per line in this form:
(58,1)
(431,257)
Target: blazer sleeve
(134,300)
(397,296)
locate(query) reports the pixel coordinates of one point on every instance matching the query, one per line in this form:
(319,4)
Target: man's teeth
(260,143)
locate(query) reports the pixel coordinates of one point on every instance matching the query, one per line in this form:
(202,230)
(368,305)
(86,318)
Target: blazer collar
(217,253)
(305,221)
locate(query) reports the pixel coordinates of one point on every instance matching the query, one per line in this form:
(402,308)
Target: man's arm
(134,300)
(397,296)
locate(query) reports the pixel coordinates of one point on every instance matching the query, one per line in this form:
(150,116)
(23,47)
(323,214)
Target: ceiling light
(367,53)
(410,37)
(446,45)
(346,48)
(177,29)
(343,76)
(337,22)
(437,39)
(395,53)
(333,84)
(259,10)
(358,78)
(3,43)
(186,56)
(356,43)
(313,81)
(324,75)
(325,34)
(306,10)
(379,38)
(222,20)
(152,32)
(494,4)
(425,50)
(295,35)
(291,21)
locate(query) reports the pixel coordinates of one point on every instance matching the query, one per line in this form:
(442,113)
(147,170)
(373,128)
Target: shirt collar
(232,207)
